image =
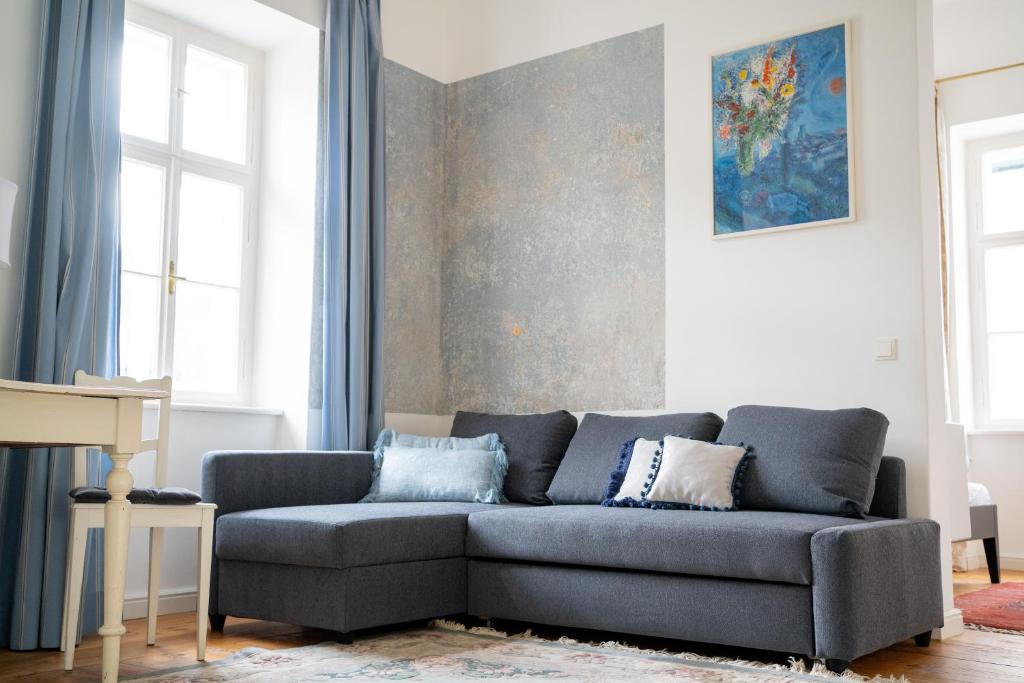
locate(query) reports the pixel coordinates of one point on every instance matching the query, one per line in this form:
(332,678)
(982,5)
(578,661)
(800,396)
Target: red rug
(1001,607)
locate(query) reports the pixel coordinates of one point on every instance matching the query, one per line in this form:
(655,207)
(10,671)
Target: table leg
(117,521)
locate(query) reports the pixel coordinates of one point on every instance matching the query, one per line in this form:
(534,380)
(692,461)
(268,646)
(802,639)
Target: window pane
(1003,182)
(142,216)
(205,338)
(145,83)
(215,105)
(1006,376)
(1004,285)
(210,230)
(140,325)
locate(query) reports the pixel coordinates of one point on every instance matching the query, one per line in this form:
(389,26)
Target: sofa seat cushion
(347,535)
(746,544)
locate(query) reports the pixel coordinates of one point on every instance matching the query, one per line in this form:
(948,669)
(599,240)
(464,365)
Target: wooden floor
(974,657)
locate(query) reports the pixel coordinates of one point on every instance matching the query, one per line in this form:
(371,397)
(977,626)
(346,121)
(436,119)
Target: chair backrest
(157,445)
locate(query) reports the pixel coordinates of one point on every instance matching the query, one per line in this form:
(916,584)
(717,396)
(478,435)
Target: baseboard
(953,625)
(169,603)
(1012,562)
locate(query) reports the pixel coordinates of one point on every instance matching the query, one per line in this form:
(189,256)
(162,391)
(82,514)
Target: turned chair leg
(923,639)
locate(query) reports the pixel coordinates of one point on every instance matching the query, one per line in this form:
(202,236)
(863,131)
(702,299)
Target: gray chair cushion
(169,495)
(763,546)
(818,461)
(345,535)
(534,444)
(594,451)
(176,495)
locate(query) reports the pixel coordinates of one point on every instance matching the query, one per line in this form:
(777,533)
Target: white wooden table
(47,415)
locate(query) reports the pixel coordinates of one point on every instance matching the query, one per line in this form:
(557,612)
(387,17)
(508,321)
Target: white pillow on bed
(977,494)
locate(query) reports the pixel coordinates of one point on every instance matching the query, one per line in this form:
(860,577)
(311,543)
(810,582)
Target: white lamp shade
(8,192)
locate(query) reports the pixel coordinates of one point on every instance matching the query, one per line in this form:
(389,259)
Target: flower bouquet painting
(782,135)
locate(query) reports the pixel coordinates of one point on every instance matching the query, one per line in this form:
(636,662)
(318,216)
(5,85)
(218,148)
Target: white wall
(414,31)
(311,12)
(287,223)
(415,35)
(20,24)
(971,35)
(788,318)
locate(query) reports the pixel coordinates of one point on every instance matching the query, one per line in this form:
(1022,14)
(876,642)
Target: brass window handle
(173,278)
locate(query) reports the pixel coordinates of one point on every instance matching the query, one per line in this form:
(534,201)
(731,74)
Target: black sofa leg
(217,622)
(837,666)
(992,557)
(343,638)
(923,639)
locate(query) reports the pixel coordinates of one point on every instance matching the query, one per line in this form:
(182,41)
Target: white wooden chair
(156,518)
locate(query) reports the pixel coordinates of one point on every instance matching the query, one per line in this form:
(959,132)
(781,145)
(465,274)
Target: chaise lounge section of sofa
(292,544)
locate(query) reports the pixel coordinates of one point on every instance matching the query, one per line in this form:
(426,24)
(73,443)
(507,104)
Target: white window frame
(978,245)
(175,160)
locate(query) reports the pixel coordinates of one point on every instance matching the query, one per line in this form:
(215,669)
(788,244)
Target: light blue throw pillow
(409,468)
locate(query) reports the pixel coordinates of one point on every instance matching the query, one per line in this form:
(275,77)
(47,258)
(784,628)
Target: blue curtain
(69,313)
(347,388)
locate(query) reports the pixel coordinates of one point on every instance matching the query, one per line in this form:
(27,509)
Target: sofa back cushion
(817,461)
(890,498)
(582,478)
(534,445)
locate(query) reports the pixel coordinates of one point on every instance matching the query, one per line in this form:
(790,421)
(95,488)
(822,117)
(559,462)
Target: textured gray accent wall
(415,129)
(526,243)
(554,261)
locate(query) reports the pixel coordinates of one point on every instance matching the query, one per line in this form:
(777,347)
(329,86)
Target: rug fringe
(795,665)
(993,629)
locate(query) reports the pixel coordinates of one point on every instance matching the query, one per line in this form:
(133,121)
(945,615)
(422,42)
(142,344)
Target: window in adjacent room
(189,177)
(995,221)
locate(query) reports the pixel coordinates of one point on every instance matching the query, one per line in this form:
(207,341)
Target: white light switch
(885,348)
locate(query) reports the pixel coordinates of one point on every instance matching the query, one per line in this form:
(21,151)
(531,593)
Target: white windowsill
(215,408)
(1004,431)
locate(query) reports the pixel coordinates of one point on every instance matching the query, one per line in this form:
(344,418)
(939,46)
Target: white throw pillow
(696,475)
(641,467)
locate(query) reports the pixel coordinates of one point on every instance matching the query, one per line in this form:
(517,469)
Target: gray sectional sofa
(292,544)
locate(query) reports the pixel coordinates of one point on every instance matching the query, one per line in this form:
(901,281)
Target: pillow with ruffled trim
(389,438)
(696,475)
(632,474)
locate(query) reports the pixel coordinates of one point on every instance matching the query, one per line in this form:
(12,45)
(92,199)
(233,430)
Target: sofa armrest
(249,480)
(875,584)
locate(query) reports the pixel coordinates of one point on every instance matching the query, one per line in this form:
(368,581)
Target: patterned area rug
(999,608)
(446,652)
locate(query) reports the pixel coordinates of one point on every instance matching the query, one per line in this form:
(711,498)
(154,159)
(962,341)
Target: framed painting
(783,136)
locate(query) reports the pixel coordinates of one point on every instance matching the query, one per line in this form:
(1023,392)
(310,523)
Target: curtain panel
(69,312)
(346,387)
